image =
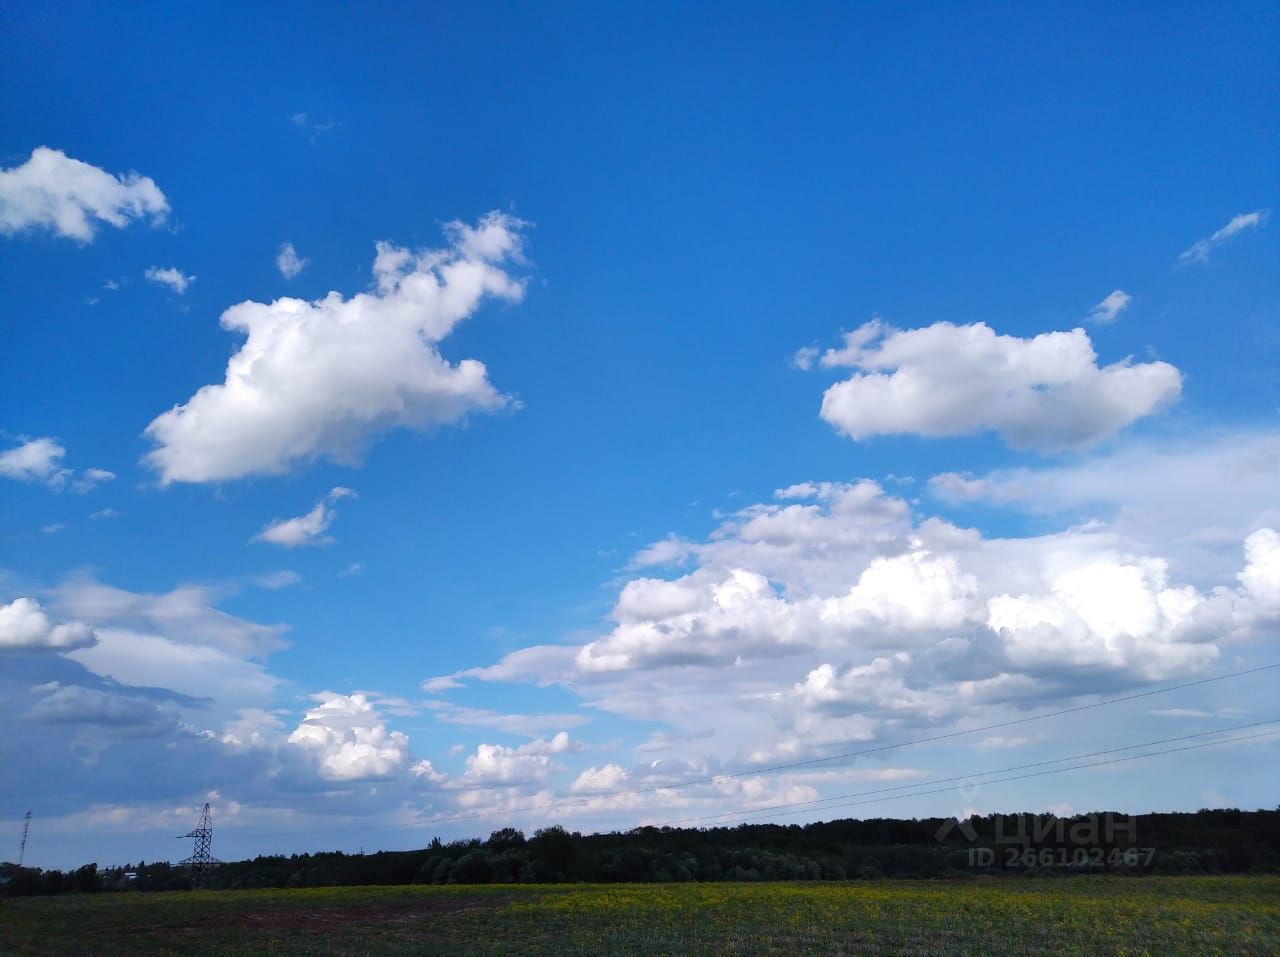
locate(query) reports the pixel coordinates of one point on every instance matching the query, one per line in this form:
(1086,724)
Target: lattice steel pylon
(201,860)
(22,849)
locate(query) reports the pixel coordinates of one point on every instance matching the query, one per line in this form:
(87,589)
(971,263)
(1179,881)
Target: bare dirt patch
(323,919)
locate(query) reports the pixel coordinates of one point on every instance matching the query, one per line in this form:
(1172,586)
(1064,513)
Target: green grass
(1080,915)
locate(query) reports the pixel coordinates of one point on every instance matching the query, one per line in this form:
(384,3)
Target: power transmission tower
(22,849)
(201,860)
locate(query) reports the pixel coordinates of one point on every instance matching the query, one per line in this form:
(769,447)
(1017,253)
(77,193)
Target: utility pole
(201,860)
(26,826)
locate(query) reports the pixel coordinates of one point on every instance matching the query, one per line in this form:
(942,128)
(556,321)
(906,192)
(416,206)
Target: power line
(589,798)
(1037,774)
(844,755)
(972,776)
(801,807)
(577,802)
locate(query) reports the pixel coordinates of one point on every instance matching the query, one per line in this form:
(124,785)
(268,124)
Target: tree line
(1208,841)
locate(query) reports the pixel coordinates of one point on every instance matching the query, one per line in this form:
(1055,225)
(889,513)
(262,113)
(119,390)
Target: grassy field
(1081,915)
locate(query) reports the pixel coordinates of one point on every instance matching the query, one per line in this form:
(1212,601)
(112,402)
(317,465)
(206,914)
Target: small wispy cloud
(175,279)
(441,683)
(308,529)
(1199,251)
(289,262)
(40,460)
(35,460)
(804,358)
(313,128)
(90,479)
(957,487)
(1110,308)
(998,742)
(274,581)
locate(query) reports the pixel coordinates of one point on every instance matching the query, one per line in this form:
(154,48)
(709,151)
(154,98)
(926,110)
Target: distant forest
(1205,842)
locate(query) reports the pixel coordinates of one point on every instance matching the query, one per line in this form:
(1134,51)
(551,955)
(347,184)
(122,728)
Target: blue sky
(934,350)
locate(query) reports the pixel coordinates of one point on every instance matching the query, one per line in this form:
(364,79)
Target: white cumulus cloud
(496,764)
(68,197)
(914,591)
(835,614)
(1261,575)
(1107,614)
(349,740)
(26,626)
(609,777)
(1047,392)
(323,378)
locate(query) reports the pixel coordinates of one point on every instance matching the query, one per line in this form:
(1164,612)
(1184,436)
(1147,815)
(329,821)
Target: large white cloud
(1047,392)
(913,591)
(349,740)
(26,626)
(1105,614)
(722,617)
(864,692)
(609,777)
(1261,576)
(835,614)
(497,765)
(68,197)
(323,378)
(700,619)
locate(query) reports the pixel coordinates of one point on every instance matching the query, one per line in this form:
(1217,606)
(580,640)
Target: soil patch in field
(322,919)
